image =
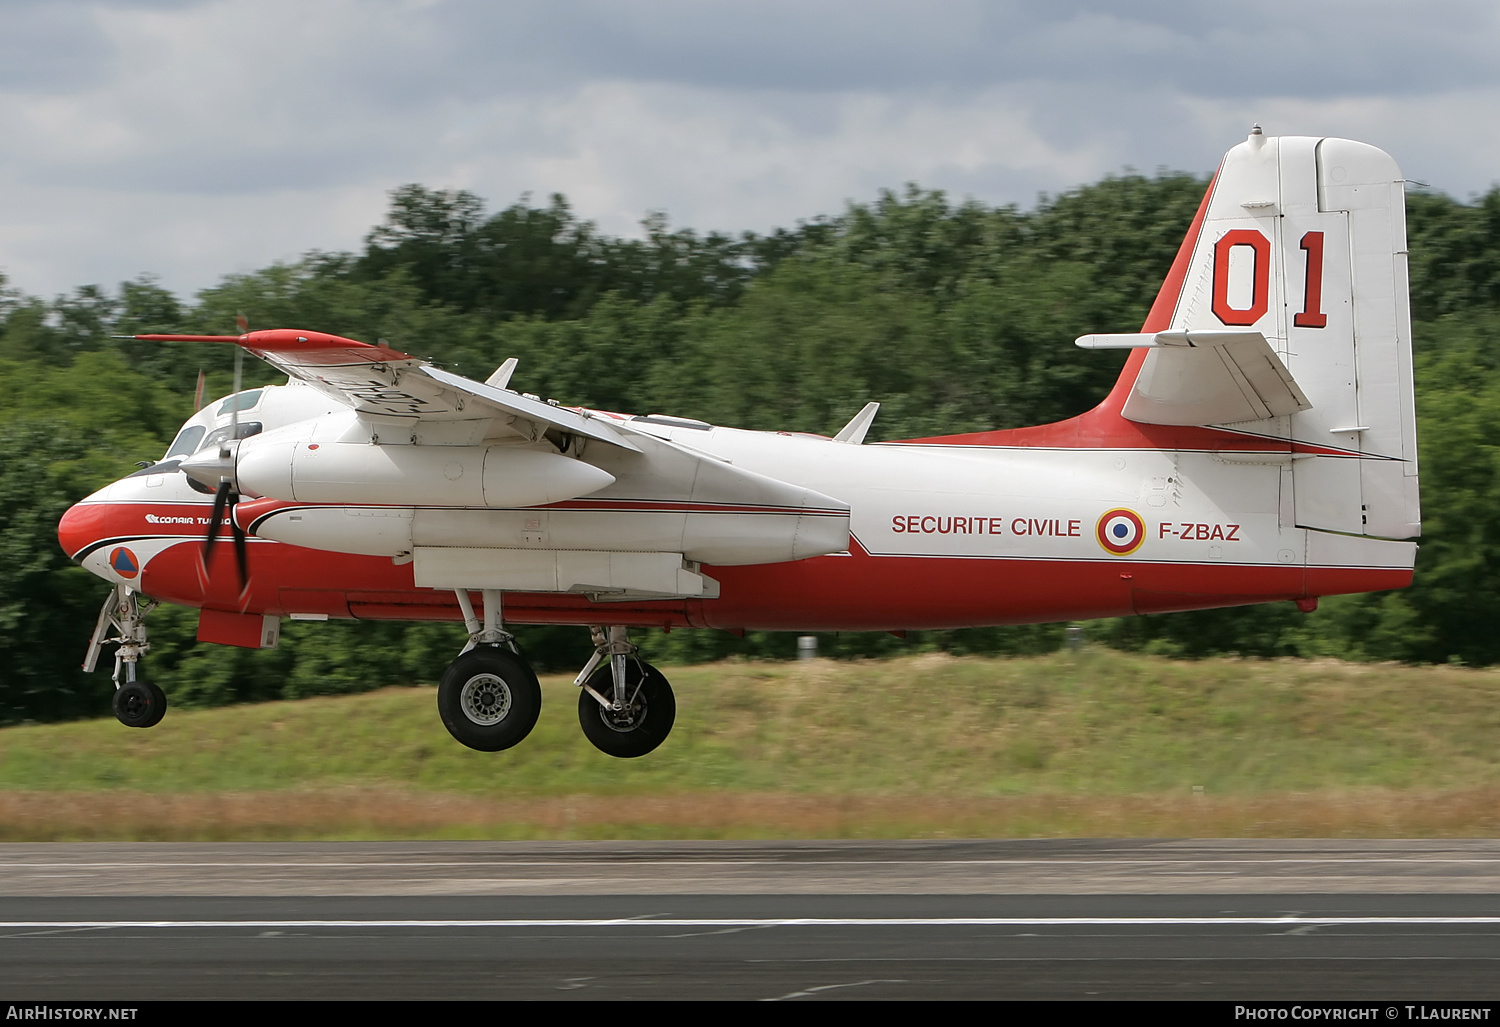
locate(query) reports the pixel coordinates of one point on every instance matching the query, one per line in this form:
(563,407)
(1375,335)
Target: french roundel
(1121,531)
(123,562)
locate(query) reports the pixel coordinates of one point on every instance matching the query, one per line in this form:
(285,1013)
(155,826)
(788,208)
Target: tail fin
(1293,323)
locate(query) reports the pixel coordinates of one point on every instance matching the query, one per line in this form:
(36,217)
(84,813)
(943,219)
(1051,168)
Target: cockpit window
(186,441)
(218,435)
(240,401)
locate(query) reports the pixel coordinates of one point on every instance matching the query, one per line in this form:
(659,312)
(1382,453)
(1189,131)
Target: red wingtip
(282,340)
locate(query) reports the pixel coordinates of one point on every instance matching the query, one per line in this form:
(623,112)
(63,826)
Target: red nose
(82,526)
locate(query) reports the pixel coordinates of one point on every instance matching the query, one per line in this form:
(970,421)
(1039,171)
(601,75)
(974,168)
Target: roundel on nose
(123,562)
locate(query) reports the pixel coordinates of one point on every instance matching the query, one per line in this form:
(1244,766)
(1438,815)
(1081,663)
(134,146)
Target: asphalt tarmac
(1276,920)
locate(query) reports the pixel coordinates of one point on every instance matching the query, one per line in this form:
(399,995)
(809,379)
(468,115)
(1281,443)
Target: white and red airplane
(1260,445)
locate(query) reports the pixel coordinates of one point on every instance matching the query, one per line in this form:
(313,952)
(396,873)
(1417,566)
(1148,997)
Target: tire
(489,699)
(161,702)
(140,704)
(635,731)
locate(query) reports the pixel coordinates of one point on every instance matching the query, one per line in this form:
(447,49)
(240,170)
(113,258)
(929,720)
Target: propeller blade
(225,496)
(241,557)
(221,500)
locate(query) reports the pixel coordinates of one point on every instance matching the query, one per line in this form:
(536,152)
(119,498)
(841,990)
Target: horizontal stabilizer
(1206,377)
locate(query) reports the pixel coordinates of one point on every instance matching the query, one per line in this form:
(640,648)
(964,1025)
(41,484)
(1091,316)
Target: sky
(190,139)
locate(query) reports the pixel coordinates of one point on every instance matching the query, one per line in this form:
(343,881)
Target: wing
(667,508)
(398,394)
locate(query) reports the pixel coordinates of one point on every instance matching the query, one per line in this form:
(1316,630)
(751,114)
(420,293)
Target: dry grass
(378,814)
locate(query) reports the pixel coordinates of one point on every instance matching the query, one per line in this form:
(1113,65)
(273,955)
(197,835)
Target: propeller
(225,496)
(224,499)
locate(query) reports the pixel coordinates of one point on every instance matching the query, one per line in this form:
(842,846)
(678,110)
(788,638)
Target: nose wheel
(140,704)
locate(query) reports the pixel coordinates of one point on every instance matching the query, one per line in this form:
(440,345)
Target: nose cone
(82,526)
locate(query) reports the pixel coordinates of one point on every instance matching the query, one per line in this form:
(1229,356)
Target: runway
(1263,920)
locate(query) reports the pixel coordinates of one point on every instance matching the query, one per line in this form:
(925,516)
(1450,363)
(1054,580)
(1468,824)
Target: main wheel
(140,704)
(489,699)
(642,725)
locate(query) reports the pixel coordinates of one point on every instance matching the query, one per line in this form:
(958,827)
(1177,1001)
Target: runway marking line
(810,992)
(1131,921)
(710,861)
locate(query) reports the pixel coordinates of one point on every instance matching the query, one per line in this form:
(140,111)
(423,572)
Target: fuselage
(1092,517)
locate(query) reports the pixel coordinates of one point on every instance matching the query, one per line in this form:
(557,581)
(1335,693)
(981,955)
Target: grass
(1096,743)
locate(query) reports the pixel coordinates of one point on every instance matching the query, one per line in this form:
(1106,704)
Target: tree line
(955,316)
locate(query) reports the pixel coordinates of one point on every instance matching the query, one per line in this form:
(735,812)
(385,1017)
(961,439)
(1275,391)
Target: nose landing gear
(136,703)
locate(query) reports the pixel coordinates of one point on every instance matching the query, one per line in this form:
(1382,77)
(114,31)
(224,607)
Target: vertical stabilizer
(1303,244)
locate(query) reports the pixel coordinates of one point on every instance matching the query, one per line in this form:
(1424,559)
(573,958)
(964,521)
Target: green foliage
(44,601)
(530,261)
(955,316)
(336,658)
(1455,264)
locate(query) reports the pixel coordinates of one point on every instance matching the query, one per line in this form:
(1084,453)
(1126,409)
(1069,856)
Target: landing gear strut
(625,706)
(489,697)
(136,703)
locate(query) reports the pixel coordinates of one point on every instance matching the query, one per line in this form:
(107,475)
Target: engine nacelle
(293,464)
(723,538)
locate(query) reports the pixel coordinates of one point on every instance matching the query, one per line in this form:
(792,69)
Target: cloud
(194,138)
(1293,47)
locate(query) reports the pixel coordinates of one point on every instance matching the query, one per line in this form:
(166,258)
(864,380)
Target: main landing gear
(489,697)
(137,703)
(625,706)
